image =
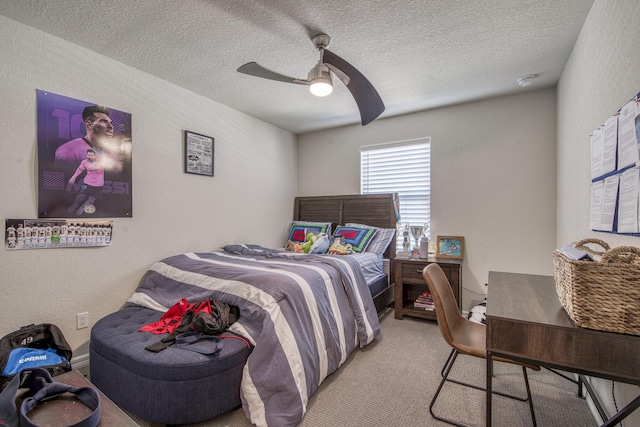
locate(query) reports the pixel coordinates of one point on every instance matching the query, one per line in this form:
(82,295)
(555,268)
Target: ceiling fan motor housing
(320,71)
(321,41)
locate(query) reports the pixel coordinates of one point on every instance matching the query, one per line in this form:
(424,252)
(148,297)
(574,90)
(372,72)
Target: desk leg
(580,386)
(489,388)
(622,414)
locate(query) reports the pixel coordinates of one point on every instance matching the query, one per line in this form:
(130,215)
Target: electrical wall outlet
(82,320)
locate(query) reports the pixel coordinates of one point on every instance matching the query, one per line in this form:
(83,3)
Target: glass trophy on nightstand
(417,232)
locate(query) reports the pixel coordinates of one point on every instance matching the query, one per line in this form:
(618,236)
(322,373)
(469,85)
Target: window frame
(383,169)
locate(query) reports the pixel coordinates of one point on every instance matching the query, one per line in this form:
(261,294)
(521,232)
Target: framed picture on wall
(84,159)
(198,153)
(450,247)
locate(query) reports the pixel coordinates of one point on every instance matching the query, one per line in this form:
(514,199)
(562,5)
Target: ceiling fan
(319,80)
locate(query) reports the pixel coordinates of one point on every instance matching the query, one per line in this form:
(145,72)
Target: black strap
(8,413)
(43,388)
(200,343)
(169,340)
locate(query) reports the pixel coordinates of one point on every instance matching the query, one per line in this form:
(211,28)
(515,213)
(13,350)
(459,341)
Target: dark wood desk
(526,322)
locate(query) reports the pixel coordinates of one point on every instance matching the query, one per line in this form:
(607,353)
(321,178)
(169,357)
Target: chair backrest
(444,301)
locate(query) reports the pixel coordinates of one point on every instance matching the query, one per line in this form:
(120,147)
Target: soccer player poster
(84,159)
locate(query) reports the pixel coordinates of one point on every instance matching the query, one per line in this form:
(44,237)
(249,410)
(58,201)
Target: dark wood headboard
(378,210)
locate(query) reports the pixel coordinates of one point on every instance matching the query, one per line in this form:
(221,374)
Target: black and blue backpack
(34,346)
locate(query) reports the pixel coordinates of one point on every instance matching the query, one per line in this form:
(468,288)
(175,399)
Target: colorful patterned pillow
(299,229)
(380,239)
(357,237)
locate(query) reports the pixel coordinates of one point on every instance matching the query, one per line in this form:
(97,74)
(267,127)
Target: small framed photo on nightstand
(450,247)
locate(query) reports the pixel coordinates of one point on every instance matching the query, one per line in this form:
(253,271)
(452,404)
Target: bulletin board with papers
(615,172)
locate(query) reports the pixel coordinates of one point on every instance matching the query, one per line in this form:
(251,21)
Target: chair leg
(510,396)
(453,351)
(446,369)
(445,373)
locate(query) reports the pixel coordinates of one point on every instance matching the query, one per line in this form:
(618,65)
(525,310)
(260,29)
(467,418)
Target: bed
(377,210)
(300,317)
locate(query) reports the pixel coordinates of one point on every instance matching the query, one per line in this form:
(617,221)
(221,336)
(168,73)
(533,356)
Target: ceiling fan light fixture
(320,87)
(320,80)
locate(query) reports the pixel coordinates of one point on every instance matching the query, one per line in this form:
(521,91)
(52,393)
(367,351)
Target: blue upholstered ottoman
(174,386)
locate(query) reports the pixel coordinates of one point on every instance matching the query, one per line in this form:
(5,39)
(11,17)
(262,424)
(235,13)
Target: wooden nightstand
(410,283)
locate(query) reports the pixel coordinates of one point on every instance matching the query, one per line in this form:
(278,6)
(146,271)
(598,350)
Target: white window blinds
(403,168)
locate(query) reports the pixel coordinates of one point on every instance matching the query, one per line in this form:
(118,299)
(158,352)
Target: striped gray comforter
(303,313)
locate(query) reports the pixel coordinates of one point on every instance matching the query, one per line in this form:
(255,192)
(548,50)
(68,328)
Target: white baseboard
(80,362)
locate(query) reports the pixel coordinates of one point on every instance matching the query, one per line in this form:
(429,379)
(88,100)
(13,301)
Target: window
(404,168)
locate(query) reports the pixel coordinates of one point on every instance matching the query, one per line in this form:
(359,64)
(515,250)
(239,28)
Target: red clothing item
(171,319)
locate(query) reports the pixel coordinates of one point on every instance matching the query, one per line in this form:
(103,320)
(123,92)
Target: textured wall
(249,199)
(602,74)
(492,177)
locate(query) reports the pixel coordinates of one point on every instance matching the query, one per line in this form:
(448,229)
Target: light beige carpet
(391,382)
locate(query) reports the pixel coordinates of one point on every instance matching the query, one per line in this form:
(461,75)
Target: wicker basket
(603,295)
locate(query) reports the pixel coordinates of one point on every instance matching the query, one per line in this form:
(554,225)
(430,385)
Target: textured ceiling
(419,54)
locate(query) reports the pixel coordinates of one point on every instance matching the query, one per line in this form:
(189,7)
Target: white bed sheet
(371,263)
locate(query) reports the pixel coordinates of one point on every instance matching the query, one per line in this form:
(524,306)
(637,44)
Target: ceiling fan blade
(369,102)
(257,70)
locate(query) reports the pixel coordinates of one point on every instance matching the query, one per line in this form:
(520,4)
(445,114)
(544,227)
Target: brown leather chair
(464,336)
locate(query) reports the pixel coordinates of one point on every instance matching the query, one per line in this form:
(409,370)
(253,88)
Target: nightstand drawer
(412,272)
